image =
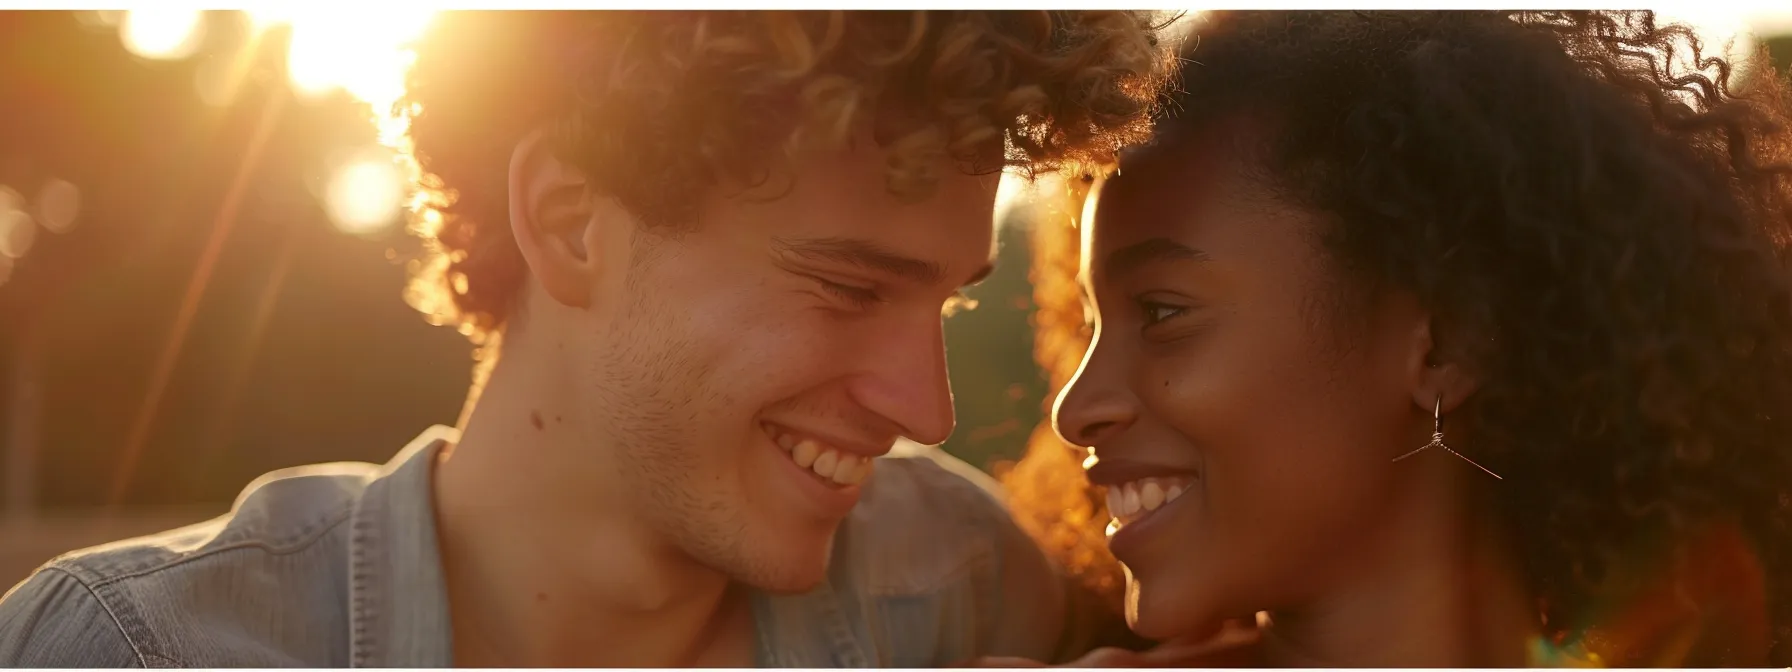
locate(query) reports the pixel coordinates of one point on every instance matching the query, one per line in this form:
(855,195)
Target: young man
(716,247)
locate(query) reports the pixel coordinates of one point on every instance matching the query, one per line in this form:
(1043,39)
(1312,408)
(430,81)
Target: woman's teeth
(842,468)
(1131,501)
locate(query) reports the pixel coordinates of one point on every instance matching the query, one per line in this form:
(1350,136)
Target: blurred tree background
(997,387)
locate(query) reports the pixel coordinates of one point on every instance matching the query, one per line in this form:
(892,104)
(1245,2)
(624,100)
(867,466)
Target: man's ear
(1437,375)
(551,215)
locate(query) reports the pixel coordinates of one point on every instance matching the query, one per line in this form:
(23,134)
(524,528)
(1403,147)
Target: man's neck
(1443,594)
(544,571)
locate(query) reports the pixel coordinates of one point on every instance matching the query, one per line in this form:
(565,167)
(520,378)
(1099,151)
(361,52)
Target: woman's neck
(1440,589)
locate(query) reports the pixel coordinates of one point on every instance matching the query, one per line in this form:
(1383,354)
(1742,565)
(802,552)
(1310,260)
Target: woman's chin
(1152,619)
(1157,616)
(1160,630)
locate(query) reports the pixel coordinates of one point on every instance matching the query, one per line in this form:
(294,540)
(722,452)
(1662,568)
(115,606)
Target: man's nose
(904,380)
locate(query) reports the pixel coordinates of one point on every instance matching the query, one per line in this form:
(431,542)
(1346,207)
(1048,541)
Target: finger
(1200,634)
(1001,661)
(1210,632)
(1178,652)
(1108,657)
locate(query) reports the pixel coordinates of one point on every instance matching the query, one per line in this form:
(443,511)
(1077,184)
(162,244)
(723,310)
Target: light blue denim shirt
(337,566)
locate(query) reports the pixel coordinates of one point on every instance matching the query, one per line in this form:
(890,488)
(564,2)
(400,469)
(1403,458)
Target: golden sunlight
(1012,196)
(1724,30)
(162,34)
(1019,201)
(363,50)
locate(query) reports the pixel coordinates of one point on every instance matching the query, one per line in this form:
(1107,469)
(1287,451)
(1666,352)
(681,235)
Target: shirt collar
(398,600)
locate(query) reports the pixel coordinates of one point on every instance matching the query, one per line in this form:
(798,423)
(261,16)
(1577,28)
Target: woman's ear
(1437,374)
(551,216)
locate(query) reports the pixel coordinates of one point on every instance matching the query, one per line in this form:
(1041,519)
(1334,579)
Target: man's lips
(862,448)
(1109,472)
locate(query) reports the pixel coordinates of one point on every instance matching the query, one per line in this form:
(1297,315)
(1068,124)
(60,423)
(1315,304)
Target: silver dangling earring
(1437,439)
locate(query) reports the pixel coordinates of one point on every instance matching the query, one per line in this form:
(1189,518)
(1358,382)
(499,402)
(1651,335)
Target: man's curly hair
(1601,234)
(657,107)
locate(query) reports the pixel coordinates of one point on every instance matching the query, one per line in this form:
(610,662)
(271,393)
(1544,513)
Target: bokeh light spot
(365,194)
(58,205)
(163,34)
(17,233)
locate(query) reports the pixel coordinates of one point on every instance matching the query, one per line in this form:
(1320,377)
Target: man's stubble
(669,428)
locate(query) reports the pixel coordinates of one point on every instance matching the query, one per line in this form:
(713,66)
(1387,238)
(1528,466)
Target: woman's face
(1236,384)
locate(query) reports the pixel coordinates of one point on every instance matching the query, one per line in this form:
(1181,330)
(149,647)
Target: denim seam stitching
(295,546)
(136,649)
(360,612)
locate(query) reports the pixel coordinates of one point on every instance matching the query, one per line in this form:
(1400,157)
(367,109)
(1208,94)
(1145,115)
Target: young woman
(1450,339)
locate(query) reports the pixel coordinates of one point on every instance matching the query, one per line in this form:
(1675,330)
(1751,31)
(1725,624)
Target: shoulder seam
(136,649)
(281,549)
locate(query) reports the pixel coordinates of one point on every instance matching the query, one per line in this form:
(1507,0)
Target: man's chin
(791,587)
(792,573)
(788,582)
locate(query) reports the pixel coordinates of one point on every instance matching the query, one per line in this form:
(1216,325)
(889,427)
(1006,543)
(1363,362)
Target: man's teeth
(840,467)
(1127,501)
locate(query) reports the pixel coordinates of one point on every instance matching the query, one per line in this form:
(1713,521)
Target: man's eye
(859,297)
(1155,313)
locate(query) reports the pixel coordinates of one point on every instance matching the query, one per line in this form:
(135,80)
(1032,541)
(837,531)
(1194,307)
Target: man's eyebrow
(1131,257)
(863,254)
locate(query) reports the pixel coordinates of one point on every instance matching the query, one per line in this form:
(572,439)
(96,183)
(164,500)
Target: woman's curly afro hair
(1600,232)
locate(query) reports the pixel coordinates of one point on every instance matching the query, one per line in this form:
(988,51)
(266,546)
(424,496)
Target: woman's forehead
(1159,195)
(1214,202)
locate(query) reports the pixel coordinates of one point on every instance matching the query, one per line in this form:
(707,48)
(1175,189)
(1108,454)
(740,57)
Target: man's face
(747,369)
